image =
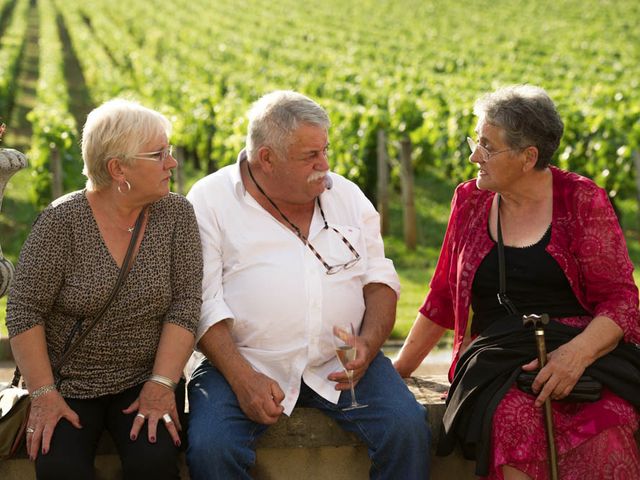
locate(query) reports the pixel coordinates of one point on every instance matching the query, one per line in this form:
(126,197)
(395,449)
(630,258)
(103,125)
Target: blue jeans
(394,426)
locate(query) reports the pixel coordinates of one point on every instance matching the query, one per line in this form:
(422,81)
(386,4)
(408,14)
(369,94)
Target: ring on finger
(29,430)
(140,415)
(167,418)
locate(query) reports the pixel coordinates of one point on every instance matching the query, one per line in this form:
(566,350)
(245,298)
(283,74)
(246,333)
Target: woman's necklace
(119,226)
(103,207)
(124,229)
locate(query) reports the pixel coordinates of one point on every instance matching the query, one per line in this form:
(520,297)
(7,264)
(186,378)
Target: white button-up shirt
(276,294)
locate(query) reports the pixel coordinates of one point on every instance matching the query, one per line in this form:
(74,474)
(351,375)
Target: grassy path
(5,16)
(17,212)
(80,103)
(19,133)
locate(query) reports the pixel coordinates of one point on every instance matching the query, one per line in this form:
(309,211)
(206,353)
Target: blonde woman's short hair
(117,129)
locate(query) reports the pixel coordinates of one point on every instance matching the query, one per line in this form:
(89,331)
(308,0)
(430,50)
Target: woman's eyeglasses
(159,156)
(484,153)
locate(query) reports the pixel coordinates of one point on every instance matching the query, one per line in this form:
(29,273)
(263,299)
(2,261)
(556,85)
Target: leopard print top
(65,273)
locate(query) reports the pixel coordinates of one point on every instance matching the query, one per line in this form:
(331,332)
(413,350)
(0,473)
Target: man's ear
(266,158)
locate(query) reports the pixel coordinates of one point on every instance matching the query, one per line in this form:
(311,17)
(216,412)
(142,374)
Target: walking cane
(538,322)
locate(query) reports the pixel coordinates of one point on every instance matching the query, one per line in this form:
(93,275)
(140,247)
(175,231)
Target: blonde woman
(122,376)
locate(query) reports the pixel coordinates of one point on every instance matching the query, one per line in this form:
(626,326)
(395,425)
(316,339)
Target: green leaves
(410,67)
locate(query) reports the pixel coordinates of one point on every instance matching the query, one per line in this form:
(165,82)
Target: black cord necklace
(289,222)
(330,269)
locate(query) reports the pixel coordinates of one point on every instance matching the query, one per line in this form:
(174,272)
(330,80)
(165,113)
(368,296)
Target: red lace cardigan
(586,241)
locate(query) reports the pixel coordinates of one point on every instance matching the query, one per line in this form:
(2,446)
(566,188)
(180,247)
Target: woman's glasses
(159,156)
(484,153)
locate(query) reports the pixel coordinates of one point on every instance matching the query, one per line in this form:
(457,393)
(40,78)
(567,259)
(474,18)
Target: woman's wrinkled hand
(46,411)
(154,404)
(564,367)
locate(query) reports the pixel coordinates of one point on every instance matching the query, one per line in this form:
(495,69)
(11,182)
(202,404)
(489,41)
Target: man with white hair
(292,251)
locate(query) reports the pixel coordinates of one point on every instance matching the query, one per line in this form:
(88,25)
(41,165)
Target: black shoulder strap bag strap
(502,293)
(124,271)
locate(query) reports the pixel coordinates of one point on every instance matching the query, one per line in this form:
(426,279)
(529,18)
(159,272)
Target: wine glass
(346,350)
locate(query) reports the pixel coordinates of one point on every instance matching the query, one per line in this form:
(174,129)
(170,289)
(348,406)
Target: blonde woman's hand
(154,404)
(46,411)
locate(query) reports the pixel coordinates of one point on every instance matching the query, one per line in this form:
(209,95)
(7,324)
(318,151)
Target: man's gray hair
(276,116)
(528,117)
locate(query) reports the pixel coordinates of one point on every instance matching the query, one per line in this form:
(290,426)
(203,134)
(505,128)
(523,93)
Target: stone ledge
(307,428)
(310,428)
(306,445)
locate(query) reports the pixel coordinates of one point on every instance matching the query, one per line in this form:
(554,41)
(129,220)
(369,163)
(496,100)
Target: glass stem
(353,392)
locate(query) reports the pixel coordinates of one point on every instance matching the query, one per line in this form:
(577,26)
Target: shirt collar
(236,176)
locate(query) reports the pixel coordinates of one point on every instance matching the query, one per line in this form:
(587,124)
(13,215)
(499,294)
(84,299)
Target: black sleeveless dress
(535,284)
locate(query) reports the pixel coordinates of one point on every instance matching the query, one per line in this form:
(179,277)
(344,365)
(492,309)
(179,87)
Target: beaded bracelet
(164,381)
(42,391)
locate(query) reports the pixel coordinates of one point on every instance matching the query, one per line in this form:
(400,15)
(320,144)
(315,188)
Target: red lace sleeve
(438,305)
(605,268)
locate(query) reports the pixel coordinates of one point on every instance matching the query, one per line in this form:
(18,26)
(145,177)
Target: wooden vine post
(383,183)
(56,174)
(179,176)
(408,205)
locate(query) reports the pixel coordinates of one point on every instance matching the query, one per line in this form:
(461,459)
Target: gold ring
(167,418)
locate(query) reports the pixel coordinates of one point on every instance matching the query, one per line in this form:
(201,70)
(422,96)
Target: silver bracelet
(164,381)
(42,391)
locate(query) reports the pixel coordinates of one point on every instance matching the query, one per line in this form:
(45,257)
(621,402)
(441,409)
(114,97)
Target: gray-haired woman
(564,255)
(123,375)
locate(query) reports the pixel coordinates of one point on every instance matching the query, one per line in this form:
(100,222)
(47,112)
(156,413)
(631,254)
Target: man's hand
(260,398)
(380,313)
(359,365)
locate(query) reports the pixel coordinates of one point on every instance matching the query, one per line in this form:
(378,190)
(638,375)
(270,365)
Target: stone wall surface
(308,445)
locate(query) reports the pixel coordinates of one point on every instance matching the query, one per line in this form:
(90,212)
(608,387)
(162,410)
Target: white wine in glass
(346,351)
(345,354)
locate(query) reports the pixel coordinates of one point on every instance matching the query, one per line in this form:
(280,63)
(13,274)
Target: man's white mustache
(317,176)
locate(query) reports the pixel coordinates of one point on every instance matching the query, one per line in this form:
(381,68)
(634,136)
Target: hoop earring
(128,187)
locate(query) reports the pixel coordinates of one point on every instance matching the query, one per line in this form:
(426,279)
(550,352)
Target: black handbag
(587,389)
